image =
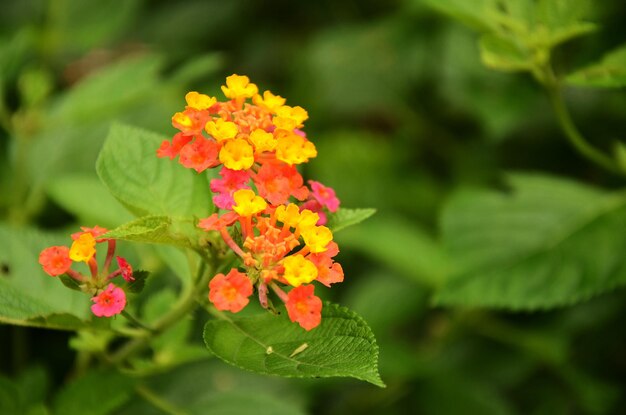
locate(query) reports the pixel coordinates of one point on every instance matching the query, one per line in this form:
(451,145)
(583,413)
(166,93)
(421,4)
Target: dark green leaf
(69,282)
(97,393)
(139,282)
(343,345)
(550,242)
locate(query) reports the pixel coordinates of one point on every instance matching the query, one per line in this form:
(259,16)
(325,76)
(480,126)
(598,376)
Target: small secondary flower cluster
(258,145)
(108,298)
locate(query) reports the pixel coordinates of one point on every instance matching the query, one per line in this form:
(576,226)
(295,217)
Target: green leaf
(348,217)
(97,393)
(400,245)
(146,184)
(475,14)
(343,345)
(77,193)
(243,403)
(69,282)
(137,285)
(504,54)
(619,152)
(155,230)
(610,72)
(28,296)
(549,242)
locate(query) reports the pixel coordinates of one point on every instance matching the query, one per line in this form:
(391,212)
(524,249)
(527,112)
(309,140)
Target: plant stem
(158,402)
(136,322)
(184,306)
(553,87)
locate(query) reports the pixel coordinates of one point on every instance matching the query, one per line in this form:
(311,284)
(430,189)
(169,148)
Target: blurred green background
(403,114)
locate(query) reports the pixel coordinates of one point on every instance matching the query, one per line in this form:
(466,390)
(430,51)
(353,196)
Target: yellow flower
(299,270)
(308,219)
(289,215)
(262,141)
(297,114)
(239,87)
(221,130)
(182,120)
(317,238)
(269,101)
(237,154)
(294,149)
(199,101)
(83,248)
(247,203)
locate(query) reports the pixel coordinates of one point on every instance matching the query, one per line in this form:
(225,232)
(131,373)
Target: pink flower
(109,302)
(125,268)
(231,181)
(324,195)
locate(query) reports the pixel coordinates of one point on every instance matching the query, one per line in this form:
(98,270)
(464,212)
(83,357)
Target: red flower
(172,149)
(200,155)
(304,308)
(127,270)
(230,292)
(55,260)
(277,181)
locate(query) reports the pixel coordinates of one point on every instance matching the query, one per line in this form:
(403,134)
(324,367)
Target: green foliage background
(492,275)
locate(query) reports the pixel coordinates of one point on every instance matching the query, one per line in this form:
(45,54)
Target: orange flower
(230,292)
(304,308)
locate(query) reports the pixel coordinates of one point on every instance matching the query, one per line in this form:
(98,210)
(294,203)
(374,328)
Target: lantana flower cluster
(108,298)
(256,141)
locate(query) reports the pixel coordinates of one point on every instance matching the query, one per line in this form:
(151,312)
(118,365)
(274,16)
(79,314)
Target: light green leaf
(97,393)
(348,217)
(610,72)
(86,197)
(343,345)
(28,296)
(129,167)
(549,242)
(156,230)
(562,20)
(503,54)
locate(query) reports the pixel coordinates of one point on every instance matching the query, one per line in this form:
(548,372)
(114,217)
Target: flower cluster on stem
(257,142)
(108,298)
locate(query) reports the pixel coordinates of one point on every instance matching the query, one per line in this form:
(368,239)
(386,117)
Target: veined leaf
(548,243)
(343,345)
(348,217)
(146,184)
(155,230)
